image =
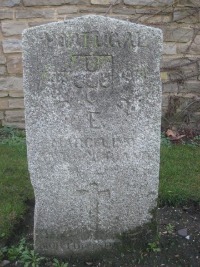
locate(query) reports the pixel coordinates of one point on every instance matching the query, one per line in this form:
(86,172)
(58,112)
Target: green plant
(170,228)
(3,252)
(12,136)
(30,258)
(165,141)
(154,247)
(56,263)
(15,252)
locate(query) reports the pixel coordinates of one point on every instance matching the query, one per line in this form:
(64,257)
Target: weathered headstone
(93,107)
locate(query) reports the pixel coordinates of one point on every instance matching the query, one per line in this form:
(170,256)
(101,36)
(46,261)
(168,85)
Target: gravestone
(93,108)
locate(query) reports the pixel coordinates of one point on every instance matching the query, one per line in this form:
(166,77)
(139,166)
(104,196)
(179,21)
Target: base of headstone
(134,240)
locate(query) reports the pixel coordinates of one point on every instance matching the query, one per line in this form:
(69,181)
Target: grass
(179,177)
(15,186)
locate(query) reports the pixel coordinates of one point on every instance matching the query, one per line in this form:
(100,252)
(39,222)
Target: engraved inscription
(83,79)
(98,149)
(94,122)
(94,72)
(93,39)
(51,244)
(95,194)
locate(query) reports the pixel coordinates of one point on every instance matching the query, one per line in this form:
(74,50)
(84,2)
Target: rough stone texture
(191,87)
(16,93)
(9,3)
(35,13)
(13,28)
(53,2)
(2,70)
(67,10)
(148,2)
(170,88)
(11,83)
(12,46)
(45,2)
(38,23)
(6,14)
(93,107)
(14,64)
(181,35)
(100,2)
(187,16)
(1,115)
(190,3)
(169,49)
(16,103)
(14,116)
(3,93)
(3,103)
(2,59)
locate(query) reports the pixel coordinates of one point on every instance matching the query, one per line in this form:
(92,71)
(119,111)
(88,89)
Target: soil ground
(169,250)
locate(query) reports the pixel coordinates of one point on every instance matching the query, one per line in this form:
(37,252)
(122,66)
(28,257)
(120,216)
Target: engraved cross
(95,194)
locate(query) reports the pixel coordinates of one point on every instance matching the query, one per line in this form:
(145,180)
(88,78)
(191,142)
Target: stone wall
(179,20)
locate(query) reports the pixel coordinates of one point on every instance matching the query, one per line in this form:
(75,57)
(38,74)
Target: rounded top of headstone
(94,22)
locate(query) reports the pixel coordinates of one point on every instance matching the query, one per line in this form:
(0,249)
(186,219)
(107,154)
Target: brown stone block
(14,64)
(103,2)
(165,100)
(9,3)
(123,11)
(189,3)
(148,3)
(67,10)
(14,116)
(178,34)
(191,87)
(13,28)
(169,48)
(193,48)
(53,2)
(3,93)
(94,10)
(6,14)
(4,103)
(35,13)
(16,103)
(176,63)
(152,11)
(15,93)
(45,2)
(12,46)
(1,115)
(157,19)
(186,15)
(11,83)
(38,23)
(2,70)
(70,16)
(2,59)
(170,88)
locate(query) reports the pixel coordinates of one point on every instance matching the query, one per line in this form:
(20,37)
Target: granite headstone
(93,107)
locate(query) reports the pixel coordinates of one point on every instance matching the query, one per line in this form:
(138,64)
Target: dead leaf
(170,133)
(173,136)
